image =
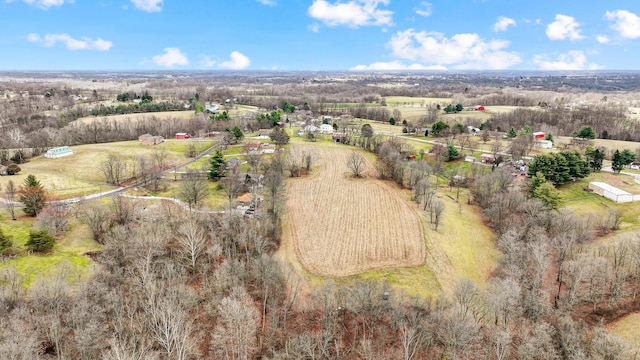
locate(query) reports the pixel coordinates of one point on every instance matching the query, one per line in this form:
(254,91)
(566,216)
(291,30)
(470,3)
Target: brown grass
(162,115)
(342,226)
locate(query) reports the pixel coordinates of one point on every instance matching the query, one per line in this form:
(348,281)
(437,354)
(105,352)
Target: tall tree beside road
(32,195)
(217,165)
(10,193)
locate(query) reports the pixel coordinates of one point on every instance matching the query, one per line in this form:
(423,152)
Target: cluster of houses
(256,147)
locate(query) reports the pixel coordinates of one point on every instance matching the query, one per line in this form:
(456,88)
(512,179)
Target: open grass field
(343,226)
(67,251)
(79,175)
(628,328)
(162,115)
(606,143)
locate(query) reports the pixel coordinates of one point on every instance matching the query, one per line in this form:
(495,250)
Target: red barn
(538,135)
(182,136)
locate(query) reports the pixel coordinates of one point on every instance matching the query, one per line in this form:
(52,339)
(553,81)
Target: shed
(182,135)
(543,144)
(610,192)
(58,152)
(488,158)
(340,138)
(539,135)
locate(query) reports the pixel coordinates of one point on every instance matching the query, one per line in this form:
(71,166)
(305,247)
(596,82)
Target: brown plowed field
(342,226)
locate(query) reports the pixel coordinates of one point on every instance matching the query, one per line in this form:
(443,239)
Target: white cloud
(603,39)
(462,51)
(573,60)
(314,28)
(44,4)
(396,65)
(565,27)
(627,24)
(237,61)
(207,61)
(354,13)
(84,43)
(267,2)
(148,5)
(503,24)
(171,57)
(424,9)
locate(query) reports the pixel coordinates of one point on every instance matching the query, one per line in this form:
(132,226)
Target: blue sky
(327,35)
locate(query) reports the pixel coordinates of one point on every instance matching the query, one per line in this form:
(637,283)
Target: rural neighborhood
(406,222)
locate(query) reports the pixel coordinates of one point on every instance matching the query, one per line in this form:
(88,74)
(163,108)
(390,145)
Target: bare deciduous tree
(234,337)
(192,239)
(356,163)
(11,191)
(96,216)
(193,189)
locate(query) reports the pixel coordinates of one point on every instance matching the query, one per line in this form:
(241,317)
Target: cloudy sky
(319,35)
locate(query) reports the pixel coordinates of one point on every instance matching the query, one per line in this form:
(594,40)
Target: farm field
(162,115)
(342,226)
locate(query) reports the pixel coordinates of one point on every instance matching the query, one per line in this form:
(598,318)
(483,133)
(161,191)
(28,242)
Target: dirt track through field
(342,226)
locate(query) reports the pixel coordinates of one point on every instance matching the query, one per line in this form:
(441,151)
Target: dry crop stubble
(342,226)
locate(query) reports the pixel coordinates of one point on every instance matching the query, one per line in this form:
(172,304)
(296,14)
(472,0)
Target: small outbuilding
(543,144)
(612,193)
(58,152)
(539,135)
(488,158)
(182,135)
(340,138)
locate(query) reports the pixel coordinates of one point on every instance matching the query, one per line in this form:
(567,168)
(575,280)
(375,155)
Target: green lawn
(67,250)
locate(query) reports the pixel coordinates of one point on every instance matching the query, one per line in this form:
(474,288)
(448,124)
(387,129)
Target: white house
(326,129)
(58,152)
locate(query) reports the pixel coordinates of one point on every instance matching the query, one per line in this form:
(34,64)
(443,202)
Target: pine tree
(32,195)
(617,162)
(218,165)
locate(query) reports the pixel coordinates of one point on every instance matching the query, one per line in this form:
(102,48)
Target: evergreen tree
(595,157)
(40,241)
(452,152)
(512,133)
(617,162)
(628,157)
(6,243)
(586,132)
(548,194)
(218,165)
(535,182)
(32,195)
(438,127)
